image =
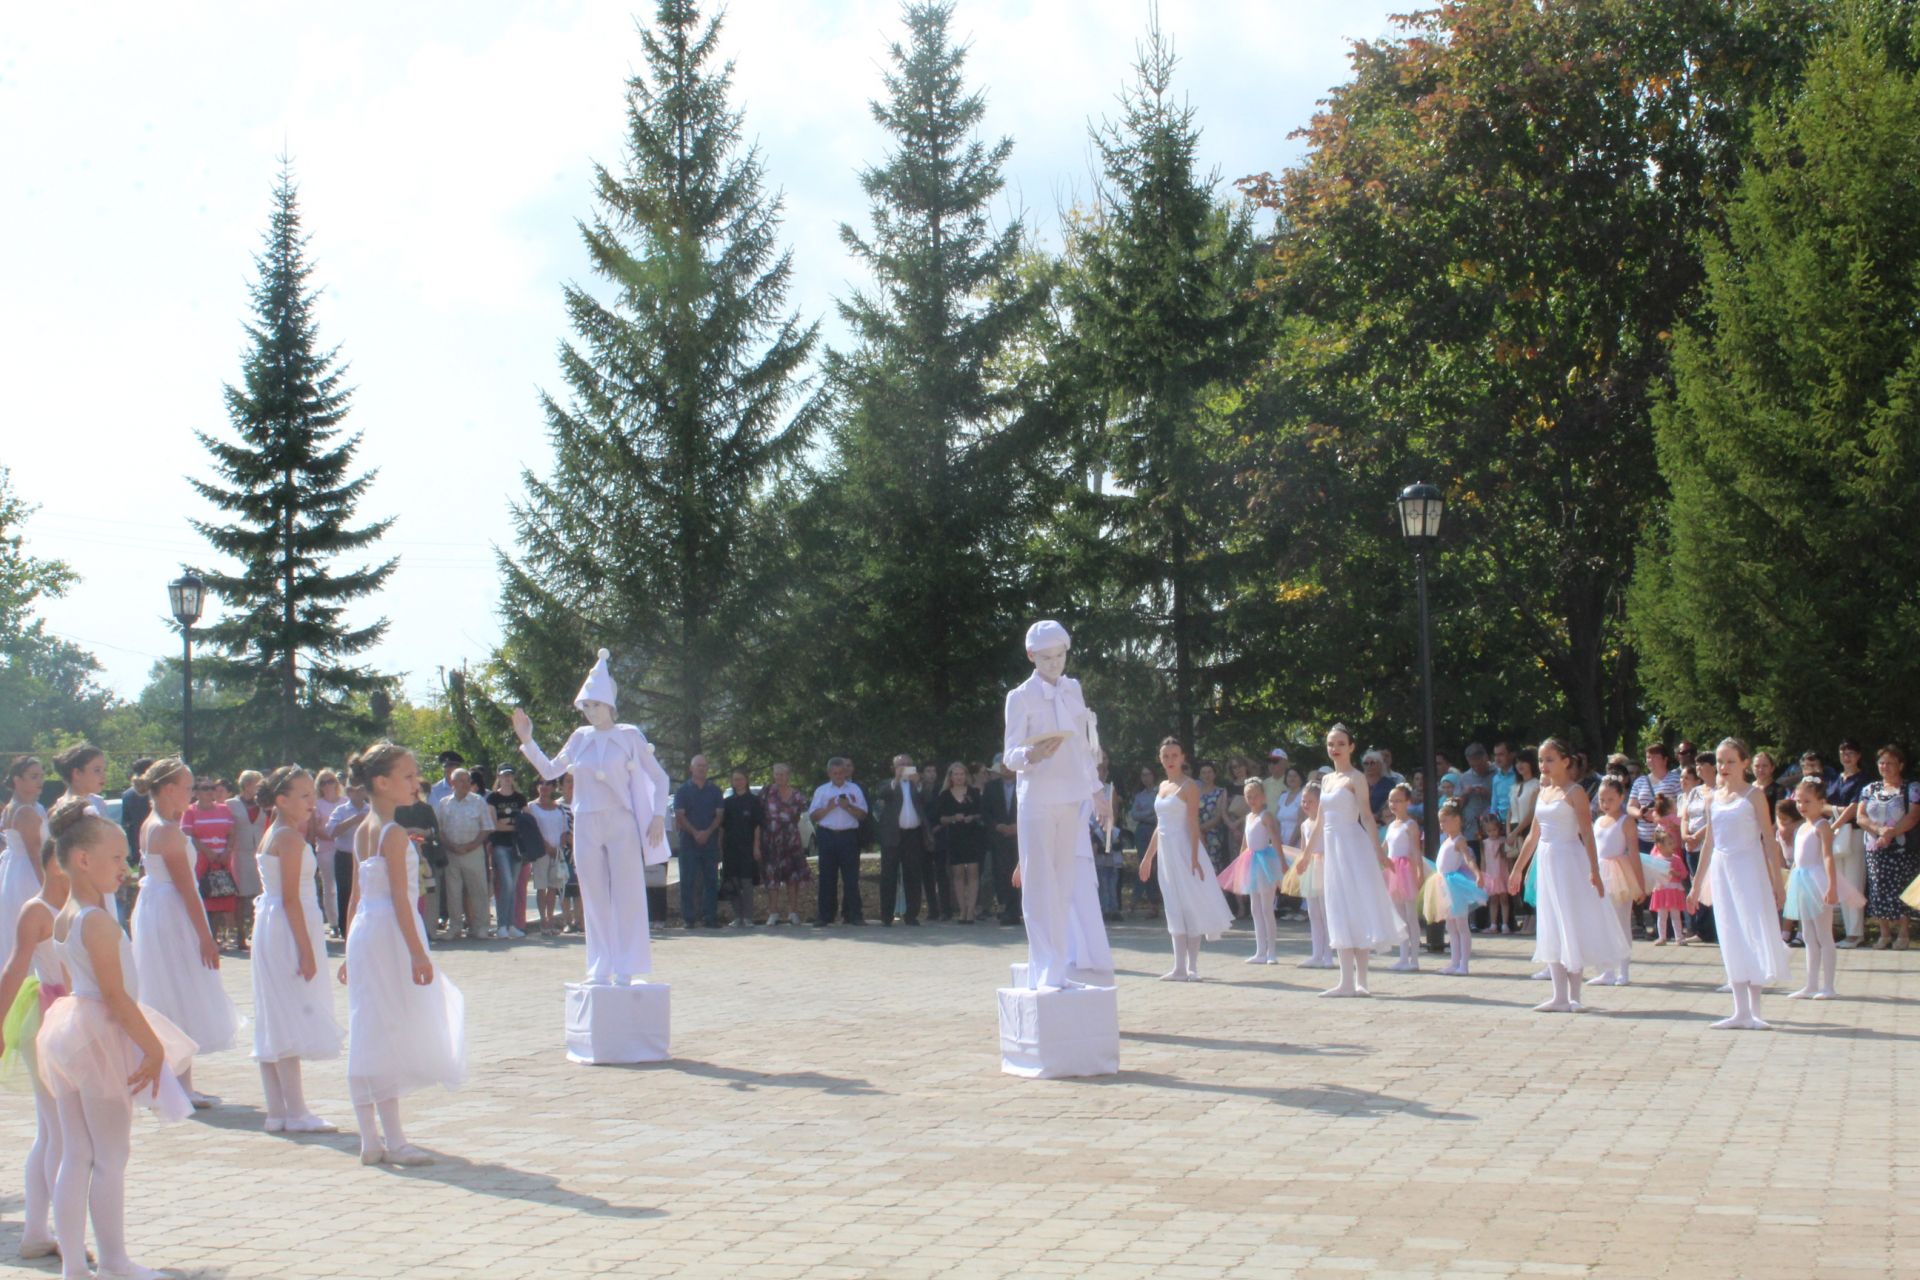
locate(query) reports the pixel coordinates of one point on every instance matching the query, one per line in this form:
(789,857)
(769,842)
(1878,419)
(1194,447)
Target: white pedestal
(1059,1032)
(1017,976)
(608,1024)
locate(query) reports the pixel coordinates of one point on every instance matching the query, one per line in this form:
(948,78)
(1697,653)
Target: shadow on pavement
(1251,1046)
(1329,1099)
(747,1081)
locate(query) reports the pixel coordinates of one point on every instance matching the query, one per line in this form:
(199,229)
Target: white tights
(1410,917)
(1263,930)
(1459,943)
(1617,976)
(1746,1008)
(1666,925)
(1566,990)
(43,1167)
(96,1136)
(1353,973)
(1317,928)
(388,1112)
(286,1094)
(1817,933)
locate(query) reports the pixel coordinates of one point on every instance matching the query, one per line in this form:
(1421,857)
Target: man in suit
(1000,805)
(904,815)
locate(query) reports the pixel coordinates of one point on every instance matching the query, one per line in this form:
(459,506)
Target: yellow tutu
(1911,894)
(1303,875)
(1436,900)
(22,1024)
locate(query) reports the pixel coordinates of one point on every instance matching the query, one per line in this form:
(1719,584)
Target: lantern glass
(1421,509)
(188,596)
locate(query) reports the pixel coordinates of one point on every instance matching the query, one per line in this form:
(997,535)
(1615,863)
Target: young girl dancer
(173,946)
(1620,870)
(1574,928)
(1453,891)
(99,1050)
(292,999)
(1303,881)
(1669,901)
(406,1024)
(33,980)
(23,829)
(1406,860)
(1813,888)
(1256,872)
(1493,874)
(1360,915)
(1196,909)
(1736,861)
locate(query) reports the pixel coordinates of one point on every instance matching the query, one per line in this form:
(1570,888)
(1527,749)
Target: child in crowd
(1669,902)
(1493,874)
(208,823)
(1786,826)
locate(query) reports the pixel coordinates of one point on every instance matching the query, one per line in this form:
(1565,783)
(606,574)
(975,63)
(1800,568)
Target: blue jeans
(699,884)
(506,874)
(1109,889)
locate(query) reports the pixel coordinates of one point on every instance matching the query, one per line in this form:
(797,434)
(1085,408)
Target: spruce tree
(927,496)
(283,644)
(1166,325)
(687,394)
(1776,596)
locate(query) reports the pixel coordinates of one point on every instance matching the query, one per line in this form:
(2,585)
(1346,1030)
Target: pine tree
(1776,597)
(1166,325)
(687,394)
(927,499)
(283,643)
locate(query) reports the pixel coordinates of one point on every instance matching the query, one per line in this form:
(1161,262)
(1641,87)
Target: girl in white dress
(1303,881)
(100,1050)
(406,1024)
(1256,873)
(1406,856)
(1813,888)
(1195,906)
(1620,870)
(1353,883)
(173,947)
(292,999)
(34,978)
(1454,890)
(1737,861)
(1575,928)
(23,830)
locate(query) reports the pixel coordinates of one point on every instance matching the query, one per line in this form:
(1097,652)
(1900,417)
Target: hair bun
(67,816)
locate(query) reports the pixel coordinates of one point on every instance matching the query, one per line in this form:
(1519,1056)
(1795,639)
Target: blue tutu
(1465,891)
(1254,871)
(1805,898)
(1533,877)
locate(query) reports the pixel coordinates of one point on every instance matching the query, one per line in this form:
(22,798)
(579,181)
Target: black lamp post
(188,596)
(1421,507)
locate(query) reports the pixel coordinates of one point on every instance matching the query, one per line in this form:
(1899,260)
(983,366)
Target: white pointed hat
(599,686)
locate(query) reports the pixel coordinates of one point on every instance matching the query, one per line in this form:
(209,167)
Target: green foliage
(1776,596)
(687,397)
(1479,264)
(46,683)
(283,644)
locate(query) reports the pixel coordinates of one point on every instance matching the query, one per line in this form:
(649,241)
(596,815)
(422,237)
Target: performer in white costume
(1050,744)
(1737,862)
(620,796)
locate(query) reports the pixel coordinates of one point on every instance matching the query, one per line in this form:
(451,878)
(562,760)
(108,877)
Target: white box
(609,1024)
(1017,976)
(1049,1034)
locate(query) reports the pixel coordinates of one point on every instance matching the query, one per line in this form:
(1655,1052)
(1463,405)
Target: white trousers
(613,895)
(1051,837)
(1087,935)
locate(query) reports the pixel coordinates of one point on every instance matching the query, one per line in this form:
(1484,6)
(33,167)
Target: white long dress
(1359,912)
(292,1016)
(1195,906)
(1575,927)
(1742,883)
(18,884)
(400,1037)
(166,954)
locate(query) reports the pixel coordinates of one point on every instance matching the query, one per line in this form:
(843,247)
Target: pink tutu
(1493,875)
(1618,880)
(1403,881)
(83,1050)
(1668,899)
(1254,871)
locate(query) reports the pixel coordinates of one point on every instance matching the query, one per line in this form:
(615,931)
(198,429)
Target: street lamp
(1421,507)
(188,596)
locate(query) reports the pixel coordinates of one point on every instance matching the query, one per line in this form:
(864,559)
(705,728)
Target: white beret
(1045,634)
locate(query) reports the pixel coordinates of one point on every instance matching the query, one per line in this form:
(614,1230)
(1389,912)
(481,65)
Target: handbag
(218,883)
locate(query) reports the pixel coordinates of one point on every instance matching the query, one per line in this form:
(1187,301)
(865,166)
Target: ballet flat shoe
(31,1249)
(376,1156)
(409,1157)
(274,1124)
(311,1124)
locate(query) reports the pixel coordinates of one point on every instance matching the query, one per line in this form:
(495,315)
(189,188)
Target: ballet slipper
(1271,960)
(1606,980)
(373,1155)
(311,1123)
(1826,994)
(1725,988)
(1255,959)
(1174,975)
(409,1157)
(274,1124)
(1554,1006)
(1732,1023)
(202,1101)
(1804,993)
(1341,992)
(1404,966)
(1756,1024)
(31,1249)
(1541,976)
(133,1271)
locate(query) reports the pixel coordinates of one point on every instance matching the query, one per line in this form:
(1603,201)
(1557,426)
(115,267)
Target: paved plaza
(837,1111)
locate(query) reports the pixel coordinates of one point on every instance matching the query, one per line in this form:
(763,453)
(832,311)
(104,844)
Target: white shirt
(553,823)
(909,816)
(837,819)
(464,819)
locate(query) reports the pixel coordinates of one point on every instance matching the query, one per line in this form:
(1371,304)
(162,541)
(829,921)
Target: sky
(443,153)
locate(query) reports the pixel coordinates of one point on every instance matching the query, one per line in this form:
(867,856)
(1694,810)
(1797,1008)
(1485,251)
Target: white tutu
(1575,927)
(1194,904)
(166,954)
(292,1017)
(1360,914)
(400,1037)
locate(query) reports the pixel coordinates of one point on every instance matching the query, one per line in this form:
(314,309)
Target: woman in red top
(209,824)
